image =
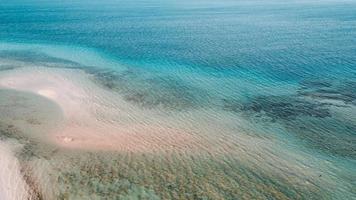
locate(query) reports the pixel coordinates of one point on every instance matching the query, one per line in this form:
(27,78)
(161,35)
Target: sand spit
(94,117)
(12,183)
(25,120)
(98,119)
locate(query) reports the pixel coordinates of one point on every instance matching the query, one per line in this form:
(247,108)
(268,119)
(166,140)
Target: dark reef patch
(150,91)
(286,107)
(327,135)
(308,114)
(308,101)
(6,67)
(344,91)
(232,105)
(307,84)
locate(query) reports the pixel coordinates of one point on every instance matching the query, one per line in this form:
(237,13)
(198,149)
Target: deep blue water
(280,41)
(277,63)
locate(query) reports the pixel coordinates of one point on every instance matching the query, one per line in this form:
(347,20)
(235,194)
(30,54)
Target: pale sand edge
(12,183)
(89,110)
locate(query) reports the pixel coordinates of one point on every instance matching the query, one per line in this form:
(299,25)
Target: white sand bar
(94,117)
(12,184)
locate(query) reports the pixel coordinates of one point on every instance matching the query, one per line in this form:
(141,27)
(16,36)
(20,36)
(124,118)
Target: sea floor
(68,131)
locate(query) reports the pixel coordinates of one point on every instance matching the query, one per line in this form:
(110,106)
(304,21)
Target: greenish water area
(178,100)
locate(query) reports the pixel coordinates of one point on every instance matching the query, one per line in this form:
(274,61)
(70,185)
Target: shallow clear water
(265,90)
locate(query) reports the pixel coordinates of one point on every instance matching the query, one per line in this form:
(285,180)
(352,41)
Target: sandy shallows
(98,119)
(95,118)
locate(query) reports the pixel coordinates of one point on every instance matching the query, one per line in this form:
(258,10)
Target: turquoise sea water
(286,67)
